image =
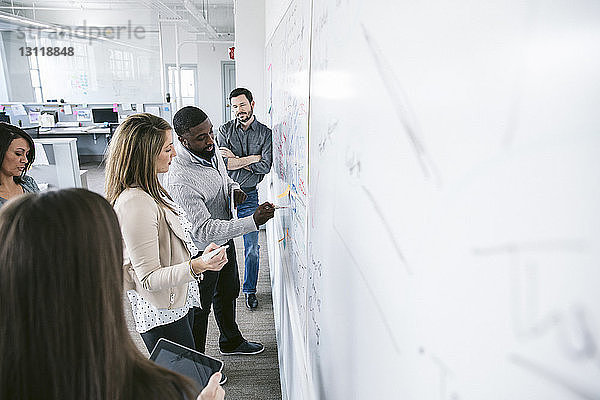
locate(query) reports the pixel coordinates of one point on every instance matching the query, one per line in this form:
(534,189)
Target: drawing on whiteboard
(521,70)
(314,300)
(445,375)
(314,306)
(317,267)
(527,322)
(353,164)
(317,331)
(321,22)
(568,325)
(390,233)
(579,342)
(402,108)
(551,376)
(314,303)
(331,127)
(285,193)
(315,273)
(374,296)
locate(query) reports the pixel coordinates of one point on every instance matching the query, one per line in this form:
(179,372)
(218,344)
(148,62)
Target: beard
(245,117)
(207,154)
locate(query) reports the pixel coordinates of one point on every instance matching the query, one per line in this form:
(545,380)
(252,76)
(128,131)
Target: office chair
(33,131)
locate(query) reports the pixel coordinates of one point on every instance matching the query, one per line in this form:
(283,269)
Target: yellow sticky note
(285,193)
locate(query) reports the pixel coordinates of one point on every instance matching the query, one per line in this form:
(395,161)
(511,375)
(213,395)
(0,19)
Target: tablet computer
(191,363)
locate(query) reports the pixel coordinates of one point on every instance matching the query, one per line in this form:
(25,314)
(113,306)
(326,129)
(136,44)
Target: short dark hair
(187,118)
(8,133)
(241,91)
(61,309)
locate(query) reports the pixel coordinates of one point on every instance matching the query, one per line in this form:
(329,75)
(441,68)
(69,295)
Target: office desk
(73,131)
(63,171)
(91,143)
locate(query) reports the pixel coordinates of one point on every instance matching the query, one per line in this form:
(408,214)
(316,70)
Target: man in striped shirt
(197,180)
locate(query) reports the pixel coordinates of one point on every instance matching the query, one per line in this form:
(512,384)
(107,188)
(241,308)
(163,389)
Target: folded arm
(234,162)
(264,165)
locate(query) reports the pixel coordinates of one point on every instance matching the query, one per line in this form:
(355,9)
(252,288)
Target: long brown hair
(131,157)
(8,133)
(63,333)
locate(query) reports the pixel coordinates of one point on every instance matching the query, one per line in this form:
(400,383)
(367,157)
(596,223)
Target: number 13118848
(46,51)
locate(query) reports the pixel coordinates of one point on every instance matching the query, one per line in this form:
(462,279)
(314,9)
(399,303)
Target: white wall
(210,89)
(18,81)
(208,59)
(250,51)
(3,73)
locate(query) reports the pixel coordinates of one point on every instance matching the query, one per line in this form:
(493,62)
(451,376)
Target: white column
(250,51)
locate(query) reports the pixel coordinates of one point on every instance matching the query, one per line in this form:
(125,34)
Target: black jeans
(221,289)
(179,331)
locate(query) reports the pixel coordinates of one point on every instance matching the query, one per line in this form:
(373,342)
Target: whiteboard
(287,73)
(102,70)
(453,218)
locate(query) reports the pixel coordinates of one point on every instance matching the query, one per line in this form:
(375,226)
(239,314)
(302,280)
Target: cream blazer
(156,259)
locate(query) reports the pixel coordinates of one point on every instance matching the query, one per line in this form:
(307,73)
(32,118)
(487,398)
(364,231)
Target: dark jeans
(179,331)
(251,247)
(220,289)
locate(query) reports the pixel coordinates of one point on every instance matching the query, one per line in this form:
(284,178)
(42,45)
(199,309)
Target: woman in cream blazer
(160,276)
(143,221)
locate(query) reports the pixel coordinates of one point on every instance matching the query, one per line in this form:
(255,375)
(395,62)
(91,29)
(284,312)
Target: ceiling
(208,19)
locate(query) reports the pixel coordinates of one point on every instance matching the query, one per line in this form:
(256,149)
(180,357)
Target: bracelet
(196,276)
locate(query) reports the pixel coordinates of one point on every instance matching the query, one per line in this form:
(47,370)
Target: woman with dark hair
(63,333)
(161,275)
(17,153)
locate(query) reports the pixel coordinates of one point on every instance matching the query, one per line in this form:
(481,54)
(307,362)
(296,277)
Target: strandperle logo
(84,31)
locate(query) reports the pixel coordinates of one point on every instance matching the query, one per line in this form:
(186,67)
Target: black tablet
(188,362)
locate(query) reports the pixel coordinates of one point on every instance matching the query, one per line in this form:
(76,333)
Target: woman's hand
(212,391)
(214,264)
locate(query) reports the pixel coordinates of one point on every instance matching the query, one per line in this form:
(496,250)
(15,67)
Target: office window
(188,84)
(121,64)
(172,82)
(188,87)
(34,71)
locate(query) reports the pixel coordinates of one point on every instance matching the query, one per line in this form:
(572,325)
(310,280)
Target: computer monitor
(54,114)
(101,115)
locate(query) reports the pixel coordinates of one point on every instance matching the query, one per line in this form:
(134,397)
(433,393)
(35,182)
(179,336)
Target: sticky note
(34,117)
(285,193)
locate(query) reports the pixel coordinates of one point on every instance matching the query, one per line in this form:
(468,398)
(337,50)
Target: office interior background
(438,162)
